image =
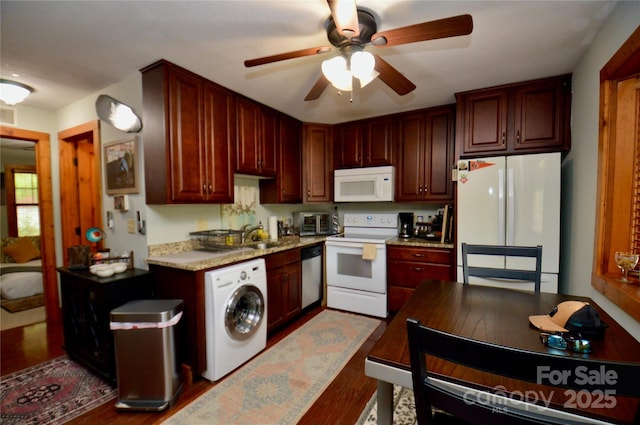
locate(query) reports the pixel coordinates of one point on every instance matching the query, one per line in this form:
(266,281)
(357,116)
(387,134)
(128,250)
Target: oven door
(346,267)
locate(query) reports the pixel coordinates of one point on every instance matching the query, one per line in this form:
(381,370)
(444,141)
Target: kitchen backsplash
(243,210)
(247,208)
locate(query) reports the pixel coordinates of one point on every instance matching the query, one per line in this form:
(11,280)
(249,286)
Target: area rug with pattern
(50,393)
(279,385)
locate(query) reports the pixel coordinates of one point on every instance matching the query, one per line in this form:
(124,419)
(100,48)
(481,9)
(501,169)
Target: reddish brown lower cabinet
(284,287)
(408,266)
(188,286)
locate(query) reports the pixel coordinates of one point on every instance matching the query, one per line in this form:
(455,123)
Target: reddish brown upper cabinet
(286,188)
(425,155)
(529,117)
(367,143)
(256,138)
(188,139)
(317,164)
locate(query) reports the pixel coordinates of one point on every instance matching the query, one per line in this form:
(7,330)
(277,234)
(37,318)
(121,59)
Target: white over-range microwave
(370,184)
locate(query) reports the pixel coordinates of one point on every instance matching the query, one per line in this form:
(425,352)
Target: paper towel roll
(273,228)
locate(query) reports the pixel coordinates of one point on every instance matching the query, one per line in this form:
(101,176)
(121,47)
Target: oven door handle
(358,245)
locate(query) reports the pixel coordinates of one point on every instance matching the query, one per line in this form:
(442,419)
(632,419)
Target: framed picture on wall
(121,163)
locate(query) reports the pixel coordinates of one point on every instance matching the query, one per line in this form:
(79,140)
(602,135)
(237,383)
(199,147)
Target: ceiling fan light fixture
(335,70)
(362,64)
(341,76)
(12,92)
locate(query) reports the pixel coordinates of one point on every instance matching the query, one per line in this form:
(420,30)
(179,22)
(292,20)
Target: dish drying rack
(217,240)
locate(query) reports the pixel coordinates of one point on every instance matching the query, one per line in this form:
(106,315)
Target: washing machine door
(244,312)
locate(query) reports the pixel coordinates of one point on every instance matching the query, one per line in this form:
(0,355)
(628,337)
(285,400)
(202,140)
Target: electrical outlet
(202,224)
(131,225)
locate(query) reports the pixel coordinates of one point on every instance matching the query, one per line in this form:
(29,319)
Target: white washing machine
(236,316)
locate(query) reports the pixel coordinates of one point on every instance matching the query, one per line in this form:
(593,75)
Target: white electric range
(357,264)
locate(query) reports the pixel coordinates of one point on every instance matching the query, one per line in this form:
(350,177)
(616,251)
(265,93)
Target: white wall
(580,166)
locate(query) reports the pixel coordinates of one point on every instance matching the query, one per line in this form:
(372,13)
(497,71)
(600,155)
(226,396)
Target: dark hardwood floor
(341,403)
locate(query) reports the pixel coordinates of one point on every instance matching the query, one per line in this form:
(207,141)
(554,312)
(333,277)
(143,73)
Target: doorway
(45,196)
(80,184)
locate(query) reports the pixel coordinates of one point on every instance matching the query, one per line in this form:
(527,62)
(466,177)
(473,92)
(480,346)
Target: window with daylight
(618,211)
(23,216)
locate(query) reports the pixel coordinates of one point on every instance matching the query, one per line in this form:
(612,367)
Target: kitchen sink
(264,245)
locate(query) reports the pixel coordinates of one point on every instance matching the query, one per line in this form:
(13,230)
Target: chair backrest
(533,275)
(510,362)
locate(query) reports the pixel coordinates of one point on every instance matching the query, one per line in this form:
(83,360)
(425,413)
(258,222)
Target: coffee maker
(405,223)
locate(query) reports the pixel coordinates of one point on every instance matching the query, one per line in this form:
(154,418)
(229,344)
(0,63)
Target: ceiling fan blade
(345,16)
(289,55)
(393,78)
(318,88)
(441,28)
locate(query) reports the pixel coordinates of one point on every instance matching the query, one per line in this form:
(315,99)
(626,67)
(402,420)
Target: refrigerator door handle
(511,204)
(501,207)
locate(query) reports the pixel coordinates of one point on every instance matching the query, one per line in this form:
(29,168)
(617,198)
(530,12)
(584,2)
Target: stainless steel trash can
(146,363)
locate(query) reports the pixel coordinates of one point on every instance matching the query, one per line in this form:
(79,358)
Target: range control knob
(243,275)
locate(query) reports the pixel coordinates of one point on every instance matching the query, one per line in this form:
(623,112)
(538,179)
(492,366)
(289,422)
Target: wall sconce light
(12,92)
(118,114)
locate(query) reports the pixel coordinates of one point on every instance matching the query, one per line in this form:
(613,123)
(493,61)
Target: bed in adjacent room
(21,284)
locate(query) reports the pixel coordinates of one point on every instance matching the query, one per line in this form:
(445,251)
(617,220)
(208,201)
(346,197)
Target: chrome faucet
(246,231)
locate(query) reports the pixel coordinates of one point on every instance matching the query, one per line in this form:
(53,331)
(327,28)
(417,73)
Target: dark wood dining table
(499,316)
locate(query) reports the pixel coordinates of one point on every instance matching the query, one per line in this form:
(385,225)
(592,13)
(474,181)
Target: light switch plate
(131,225)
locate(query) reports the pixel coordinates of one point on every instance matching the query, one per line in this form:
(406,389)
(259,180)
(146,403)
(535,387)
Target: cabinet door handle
(504,137)
(518,136)
(418,269)
(204,187)
(418,255)
(210,188)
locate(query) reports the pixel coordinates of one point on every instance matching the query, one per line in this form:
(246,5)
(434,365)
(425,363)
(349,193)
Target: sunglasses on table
(566,342)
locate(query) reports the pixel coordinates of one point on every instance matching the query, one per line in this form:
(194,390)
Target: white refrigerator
(511,200)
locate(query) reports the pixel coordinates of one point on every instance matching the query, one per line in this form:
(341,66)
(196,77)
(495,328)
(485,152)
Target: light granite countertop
(420,243)
(185,256)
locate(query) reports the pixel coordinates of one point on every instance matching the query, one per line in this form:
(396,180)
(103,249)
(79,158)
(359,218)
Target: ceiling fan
(350,30)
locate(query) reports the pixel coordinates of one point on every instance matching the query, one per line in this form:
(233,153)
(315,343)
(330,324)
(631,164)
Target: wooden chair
(503,273)
(504,361)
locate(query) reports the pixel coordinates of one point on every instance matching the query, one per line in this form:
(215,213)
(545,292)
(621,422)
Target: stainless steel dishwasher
(311,275)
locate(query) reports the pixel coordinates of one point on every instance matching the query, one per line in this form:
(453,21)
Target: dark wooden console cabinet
(87,301)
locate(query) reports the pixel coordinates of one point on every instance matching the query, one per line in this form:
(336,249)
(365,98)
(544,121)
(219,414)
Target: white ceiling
(67,50)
